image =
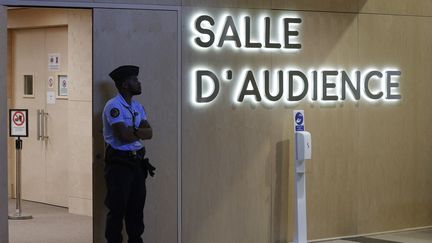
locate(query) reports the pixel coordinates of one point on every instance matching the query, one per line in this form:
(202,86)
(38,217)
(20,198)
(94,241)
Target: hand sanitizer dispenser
(303,145)
(303,152)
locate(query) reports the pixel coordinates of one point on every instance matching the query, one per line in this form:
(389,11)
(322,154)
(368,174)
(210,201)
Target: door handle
(45,134)
(42,125)
(39,124)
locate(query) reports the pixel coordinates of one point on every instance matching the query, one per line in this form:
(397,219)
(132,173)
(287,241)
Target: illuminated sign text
(270,85)
(296,85)
(230,33)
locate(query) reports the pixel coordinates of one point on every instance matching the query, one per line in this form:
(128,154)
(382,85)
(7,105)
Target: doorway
(50,74)
(44,165)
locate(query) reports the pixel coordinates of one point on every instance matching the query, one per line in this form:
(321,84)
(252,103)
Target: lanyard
(134,114)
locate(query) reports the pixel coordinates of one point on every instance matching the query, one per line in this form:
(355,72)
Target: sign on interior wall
(18,123)
(53,61)
(63,86)
(249,35)
(50,82)
(51,99)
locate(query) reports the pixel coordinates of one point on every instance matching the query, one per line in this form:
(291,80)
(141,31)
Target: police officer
(125,125)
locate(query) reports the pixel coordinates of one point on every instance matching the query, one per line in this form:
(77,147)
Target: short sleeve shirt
(118,110)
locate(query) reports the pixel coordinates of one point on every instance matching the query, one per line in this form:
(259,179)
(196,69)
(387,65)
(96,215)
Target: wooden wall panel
(228,3)
(394,156)
(309,5)
(151,38)
(37,18)
(370,160)
(312,5)
(228,157)
(396,7)
(329,40)
(80,73)
(238,160)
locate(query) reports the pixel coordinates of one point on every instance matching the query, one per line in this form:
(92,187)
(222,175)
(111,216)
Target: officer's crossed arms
(129,134)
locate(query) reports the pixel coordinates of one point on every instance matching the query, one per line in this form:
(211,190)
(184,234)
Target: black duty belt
(129,157)
(115,153)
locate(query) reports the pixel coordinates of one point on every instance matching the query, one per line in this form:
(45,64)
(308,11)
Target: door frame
(4,229)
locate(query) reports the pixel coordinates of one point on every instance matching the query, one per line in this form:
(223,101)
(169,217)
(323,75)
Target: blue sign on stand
(299,120)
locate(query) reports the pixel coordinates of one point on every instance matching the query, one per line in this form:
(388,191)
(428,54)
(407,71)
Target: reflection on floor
(50,224)
(417,236)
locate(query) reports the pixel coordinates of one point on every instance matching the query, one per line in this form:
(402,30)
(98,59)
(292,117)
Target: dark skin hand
(126,134)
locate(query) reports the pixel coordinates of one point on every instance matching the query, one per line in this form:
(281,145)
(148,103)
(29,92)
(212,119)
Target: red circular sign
(18,118)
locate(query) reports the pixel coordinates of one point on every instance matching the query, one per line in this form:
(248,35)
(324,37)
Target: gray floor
(50,224)
(415,236)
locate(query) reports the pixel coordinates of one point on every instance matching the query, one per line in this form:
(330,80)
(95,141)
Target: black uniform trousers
(126,193)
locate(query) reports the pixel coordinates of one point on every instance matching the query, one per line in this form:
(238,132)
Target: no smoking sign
(18,123)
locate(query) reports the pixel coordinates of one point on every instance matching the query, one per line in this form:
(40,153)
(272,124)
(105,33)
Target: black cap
(122,72)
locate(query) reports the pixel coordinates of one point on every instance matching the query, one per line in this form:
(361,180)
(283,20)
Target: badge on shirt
(114,112)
